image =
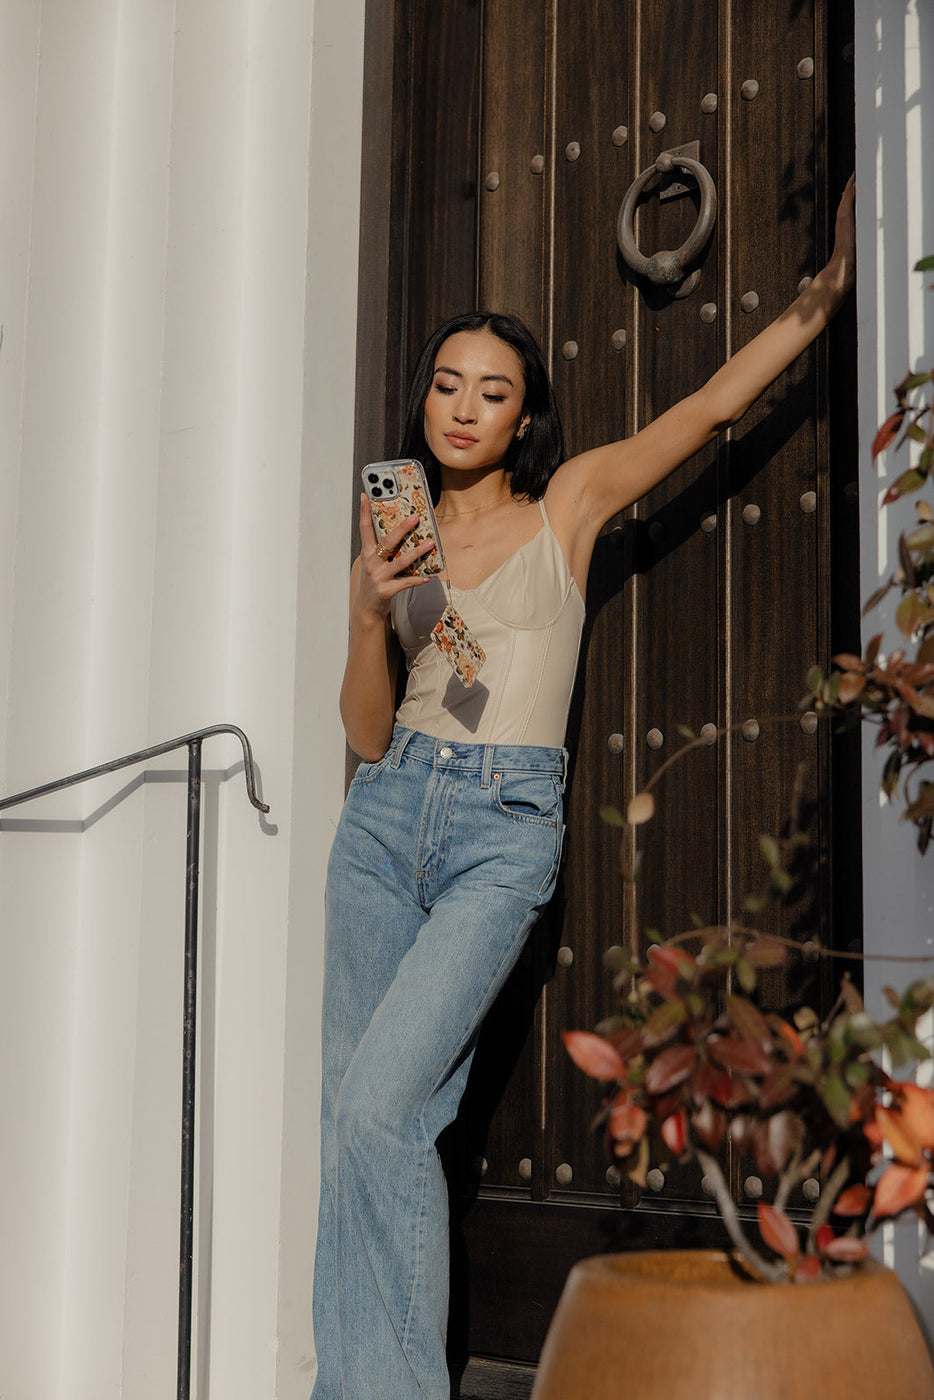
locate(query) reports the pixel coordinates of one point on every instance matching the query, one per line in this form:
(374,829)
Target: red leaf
(899,1135)
(807,1269)
(778,1087)
(823,1236)
(791,1035)
(727,1090)
(851,686)
(855,1200)
(675,1130)
(670,1067)
(668,966)
(774,1140)
(917,1111)
(741,1055)
(887,432)
(748,1021)
(778,1231)
(845,1249)
(627,1123)
(594,1055)
(709,1124)
(898,1188)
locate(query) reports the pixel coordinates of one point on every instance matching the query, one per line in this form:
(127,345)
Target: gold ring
(382,552)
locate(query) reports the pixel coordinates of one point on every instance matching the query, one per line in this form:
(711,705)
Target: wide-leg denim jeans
(444,856)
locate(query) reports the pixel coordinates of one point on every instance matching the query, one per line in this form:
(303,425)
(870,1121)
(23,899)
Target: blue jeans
(444,856)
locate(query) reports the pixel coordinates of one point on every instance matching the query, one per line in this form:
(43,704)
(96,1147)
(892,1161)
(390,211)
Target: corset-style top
(527,616)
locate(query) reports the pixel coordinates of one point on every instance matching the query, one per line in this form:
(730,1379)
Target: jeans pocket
(366,772)
(527,797)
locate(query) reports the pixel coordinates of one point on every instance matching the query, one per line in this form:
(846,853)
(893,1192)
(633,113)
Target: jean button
(446,752)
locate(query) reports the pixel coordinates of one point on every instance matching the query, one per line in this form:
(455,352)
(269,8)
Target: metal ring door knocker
(669,269)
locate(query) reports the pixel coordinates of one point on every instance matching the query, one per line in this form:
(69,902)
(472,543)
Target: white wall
(178,266)
(895,224)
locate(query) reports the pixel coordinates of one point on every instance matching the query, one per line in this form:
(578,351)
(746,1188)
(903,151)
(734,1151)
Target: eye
(495,398)
(444,388)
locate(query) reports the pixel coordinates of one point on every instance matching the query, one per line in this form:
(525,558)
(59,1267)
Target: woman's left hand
(842,264)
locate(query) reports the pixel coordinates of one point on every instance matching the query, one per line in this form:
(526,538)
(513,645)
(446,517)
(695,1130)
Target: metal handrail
(193,743)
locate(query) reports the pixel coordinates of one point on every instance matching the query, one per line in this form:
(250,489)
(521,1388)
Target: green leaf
(925,265)
(753,903)
(922,538)
(836,1098)
(781,882)
(914,381)
(890,773)
(909,614)
(747,976)
(916,433)
(903,485)
(771,851)
(653,935)
(814,679)
(612,816)
(685,732)
(857,1073)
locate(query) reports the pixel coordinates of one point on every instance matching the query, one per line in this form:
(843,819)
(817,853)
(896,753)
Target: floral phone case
(396,490)
(458,645)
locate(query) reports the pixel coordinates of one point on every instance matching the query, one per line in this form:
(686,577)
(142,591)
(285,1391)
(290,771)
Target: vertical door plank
(590,303)
(443,155)
(514,136)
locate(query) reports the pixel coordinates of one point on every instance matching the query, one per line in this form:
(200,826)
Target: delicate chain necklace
(474,510)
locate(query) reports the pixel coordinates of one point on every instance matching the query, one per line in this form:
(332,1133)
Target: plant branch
(828,1197)
(775,1273)
(796,1171)
(809,949)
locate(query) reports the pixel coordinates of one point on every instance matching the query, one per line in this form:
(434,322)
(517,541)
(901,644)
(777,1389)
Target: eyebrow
(485,378)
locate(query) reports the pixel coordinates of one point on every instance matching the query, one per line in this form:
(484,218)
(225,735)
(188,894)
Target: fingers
(388,545)
(383,567)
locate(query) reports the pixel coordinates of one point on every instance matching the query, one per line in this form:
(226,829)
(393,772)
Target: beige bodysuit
(528,616)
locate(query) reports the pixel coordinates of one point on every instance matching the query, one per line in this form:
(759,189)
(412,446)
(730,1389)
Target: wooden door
(517,126)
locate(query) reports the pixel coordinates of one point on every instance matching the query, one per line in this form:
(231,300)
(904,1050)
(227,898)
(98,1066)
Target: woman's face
(474,406)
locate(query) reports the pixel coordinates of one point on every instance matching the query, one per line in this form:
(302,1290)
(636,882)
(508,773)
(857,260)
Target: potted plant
(692,1062)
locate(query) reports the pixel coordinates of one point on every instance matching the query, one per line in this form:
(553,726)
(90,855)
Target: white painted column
(178,284)
(895,222)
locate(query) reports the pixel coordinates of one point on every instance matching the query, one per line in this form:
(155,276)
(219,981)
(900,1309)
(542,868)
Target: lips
(460,439)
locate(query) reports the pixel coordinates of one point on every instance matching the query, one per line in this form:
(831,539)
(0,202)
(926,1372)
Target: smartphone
(395,491)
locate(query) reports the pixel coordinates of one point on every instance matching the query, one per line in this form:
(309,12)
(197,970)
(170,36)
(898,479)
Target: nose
(465,410)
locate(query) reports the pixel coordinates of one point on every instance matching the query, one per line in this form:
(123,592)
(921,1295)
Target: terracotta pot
(683,1325)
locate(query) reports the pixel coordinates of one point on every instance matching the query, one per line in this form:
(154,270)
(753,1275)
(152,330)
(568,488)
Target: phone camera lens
(376,492)
(387,484)
(372,478)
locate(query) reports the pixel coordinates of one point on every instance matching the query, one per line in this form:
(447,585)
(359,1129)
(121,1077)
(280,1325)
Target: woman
(449,842)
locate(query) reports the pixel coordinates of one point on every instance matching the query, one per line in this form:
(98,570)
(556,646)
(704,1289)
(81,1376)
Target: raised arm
(599,483)
(367,701)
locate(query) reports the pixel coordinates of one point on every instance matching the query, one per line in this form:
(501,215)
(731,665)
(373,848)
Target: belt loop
(403,736)
(564,775)
(487,773)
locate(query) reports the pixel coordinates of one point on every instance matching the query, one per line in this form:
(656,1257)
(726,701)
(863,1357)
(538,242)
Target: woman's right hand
(380,566)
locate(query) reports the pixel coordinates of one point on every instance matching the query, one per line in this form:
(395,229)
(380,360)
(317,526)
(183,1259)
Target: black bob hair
(532,459)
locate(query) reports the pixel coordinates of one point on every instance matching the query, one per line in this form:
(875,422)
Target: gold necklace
(474,510)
